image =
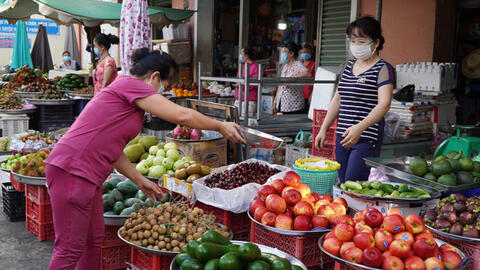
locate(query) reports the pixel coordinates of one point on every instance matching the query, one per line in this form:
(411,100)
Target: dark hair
(292,47)
(106,40)
(367,26)
(249,51)
(66,52)
(145,61)
(307,46)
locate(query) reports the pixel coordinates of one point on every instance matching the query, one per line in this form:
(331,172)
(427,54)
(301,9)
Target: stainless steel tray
(464,265)
(114,220)
(37,181)
(261,139)
(22,111)
(398,167)
(50,101)
(434,194)
(266,249)
(5,170)
(455,237)
(314,232)
(80,96)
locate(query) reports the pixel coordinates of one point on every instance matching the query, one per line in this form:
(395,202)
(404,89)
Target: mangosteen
(450,216)
(459,197)
(456,229)
(430,215)
(471,207)
(446,208)
(442,224)
(468,231)
(465,218)
(459,207)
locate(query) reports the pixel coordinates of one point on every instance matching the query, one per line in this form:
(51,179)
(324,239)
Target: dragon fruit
(178,132)
(196,134)
(187,133)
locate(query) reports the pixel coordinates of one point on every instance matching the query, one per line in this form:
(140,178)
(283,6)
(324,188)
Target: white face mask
(361,51)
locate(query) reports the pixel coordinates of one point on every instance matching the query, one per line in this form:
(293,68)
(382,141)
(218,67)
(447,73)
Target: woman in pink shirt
(93,146)
(106,70)
(246,57)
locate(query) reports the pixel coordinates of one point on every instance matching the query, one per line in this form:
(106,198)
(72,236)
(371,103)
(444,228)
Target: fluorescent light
(282,24)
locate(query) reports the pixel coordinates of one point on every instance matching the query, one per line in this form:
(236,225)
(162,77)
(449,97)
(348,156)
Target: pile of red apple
(390,242)
(290,205)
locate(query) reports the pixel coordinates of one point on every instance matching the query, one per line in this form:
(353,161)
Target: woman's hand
(151,189)
(351,136)
(232,132)
(320,139)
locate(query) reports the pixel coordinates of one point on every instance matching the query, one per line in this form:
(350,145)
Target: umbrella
(134,30)
(21,52)
(71,44)
(41,55)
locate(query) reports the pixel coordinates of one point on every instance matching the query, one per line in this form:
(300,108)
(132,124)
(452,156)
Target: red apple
(345,219)
(424,235)
(383,239)
(310,199)
(344,232)
(319,221)
(354,255)
(394,224)
(392,263)
(291,179)
(451,260)
(434,263)
(414,224)
(400,248)
(264,191)
(287,188)
(373,218)
(283,221)
(303,208)
(327,197)
(406,236)
(363,240)
(333,220)
(372,257)
(318,204)
(342,201)
(269,219)
(304,190)
(330,234)
(339,208)
(396,211)
(362,227)
(424,248)
(278,185)
(447,247)
(289,212)
(255,204)
(358,216)
(332,246)
(386,254)
(316,196)
(326,210)
(259,213)
(414,263)
(302,223)
(275,203)
(345,247)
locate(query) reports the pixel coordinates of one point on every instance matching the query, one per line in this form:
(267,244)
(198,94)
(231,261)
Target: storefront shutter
(335,19)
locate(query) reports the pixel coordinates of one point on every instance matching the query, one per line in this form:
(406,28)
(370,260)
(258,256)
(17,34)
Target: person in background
(68,63)
(106,70)
(362,99)
(306,55)
(247,55)
(289,99)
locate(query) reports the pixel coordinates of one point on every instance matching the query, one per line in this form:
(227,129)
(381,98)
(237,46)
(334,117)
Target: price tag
(380,206)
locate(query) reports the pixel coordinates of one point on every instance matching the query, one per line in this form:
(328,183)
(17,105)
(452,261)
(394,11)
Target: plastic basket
(43,231)
(145,261)
(54,112)
(115,257)
(292,153)
(321,182)
(110,237)
(17,185)
(13,124)
(328,151)
(13,202)
(470,250)
(42,213)
(37,194)
(303,248)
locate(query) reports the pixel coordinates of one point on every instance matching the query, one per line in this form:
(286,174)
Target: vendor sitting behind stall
(68,63)
(289,99)
(247,57)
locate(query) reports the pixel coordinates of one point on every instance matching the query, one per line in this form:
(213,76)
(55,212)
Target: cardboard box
(267,104)
(212,153)
(408,208)
(179,186)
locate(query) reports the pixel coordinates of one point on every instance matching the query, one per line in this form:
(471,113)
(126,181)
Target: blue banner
(32,26)
(7,42)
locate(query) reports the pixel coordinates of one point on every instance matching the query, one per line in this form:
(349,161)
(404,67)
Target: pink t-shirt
(100,71)
(252,90)
(97,138)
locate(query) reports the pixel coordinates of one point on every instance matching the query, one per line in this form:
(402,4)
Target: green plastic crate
(321,182)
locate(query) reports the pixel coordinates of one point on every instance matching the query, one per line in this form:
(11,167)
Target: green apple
(150,160)
(170,172)
(153,150)
(156,171)
(173,154)
(161,145)
(161,153)
(142,167)
(168,163)
(158,160)
(170,145)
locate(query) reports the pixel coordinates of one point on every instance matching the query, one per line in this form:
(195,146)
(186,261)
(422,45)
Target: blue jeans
(351,159)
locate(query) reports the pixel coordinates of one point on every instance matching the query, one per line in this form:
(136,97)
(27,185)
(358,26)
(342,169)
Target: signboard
(7,42)
(32,27)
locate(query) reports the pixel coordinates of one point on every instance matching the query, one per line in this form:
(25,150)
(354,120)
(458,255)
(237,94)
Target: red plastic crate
(18,186)
(115,257)
(470,250)
(328,151)
(146,261)
(235,222)
(41,213)
(110,238)
(303,248)
(43,231)
(37,194)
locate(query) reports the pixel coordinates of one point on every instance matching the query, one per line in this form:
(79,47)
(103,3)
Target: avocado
(441,167)
(117,195)
(130,201)
(114,181)
(466,163)
(108,202)
(127,188)
(448,179)
(134,152)
(464,178)
(455,164)
(127,211)
(419,166)
(430,176)
(118,207)
(140,195)
(107,186)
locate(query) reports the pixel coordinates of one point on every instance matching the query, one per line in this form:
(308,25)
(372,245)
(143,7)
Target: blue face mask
(97,52)
(240,58)
(284,58)
(67,59)
(305,56)
(161,89)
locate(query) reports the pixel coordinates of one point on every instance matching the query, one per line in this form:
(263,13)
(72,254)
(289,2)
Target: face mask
(240,58)
(161,89)
(284,58)
(97,52)
(361,51)
(305,56)
(66,59)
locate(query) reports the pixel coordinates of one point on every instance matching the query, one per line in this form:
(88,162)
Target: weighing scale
(461,141)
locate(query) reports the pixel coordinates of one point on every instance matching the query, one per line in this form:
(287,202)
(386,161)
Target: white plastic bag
(392,122)
(378,175)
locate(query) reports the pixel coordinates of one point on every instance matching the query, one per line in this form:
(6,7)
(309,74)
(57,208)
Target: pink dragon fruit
(177,132)
(196,134)
(187,133)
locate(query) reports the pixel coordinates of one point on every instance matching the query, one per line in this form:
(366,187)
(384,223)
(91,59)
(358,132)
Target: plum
(456,229)
(465,218)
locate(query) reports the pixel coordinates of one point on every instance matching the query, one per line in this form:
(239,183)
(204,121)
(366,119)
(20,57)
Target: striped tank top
(358,97)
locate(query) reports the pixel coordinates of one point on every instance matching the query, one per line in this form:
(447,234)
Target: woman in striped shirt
(363,98)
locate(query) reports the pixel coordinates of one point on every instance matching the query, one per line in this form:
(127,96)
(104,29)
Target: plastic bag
(392,123)
(378,175)
(406,94)
(303,139)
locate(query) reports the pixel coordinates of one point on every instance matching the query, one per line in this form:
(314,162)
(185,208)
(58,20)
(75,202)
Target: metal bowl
(314,232)
(454,236)
(29,180)
(464,265)
(266,249)
(16,112)
(50,101)
(261,139)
